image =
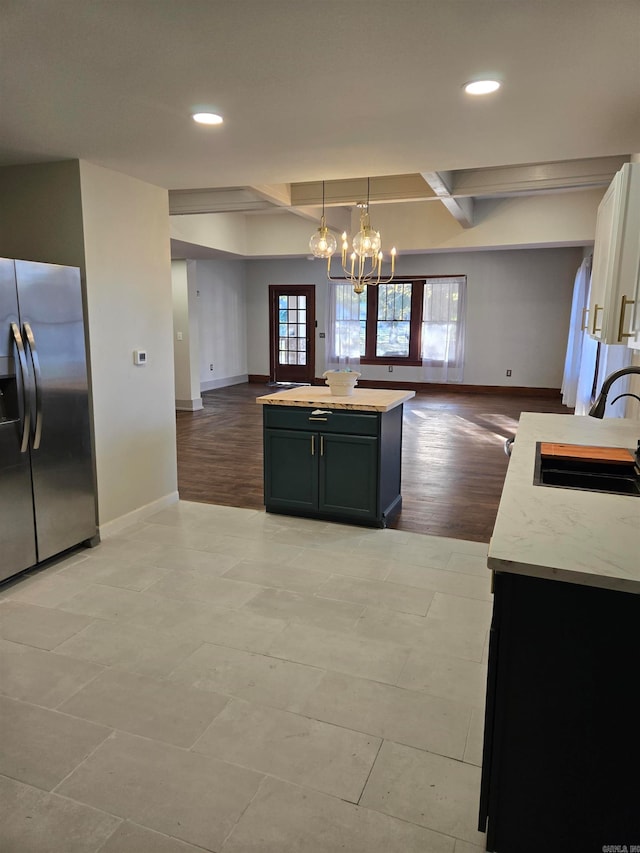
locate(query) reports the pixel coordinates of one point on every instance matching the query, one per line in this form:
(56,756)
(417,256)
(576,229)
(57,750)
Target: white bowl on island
(341,382)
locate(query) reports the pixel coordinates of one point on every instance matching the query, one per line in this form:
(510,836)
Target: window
(346,324)
(393,323)
(442,314)
(410,322)
(292,329)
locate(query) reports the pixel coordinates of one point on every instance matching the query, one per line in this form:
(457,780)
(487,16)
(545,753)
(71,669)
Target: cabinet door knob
(623,304)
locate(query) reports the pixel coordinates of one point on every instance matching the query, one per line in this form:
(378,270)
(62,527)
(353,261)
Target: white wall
(518,309)
(222,321)
(260,274)
(128,274)
(41,213)
(186,336)
(226,231)
(544,219)
(567,218)
(116,229)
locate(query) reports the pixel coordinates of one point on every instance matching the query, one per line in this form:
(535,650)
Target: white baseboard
(112,528)
(189,405)
(211,384)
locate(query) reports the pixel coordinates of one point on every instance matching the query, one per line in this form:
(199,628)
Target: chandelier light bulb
(367,242)
(323,243)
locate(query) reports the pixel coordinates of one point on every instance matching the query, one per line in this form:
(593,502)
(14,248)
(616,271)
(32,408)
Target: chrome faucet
(597,410)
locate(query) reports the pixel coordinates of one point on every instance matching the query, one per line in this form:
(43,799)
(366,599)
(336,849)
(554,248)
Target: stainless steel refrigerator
(47,485)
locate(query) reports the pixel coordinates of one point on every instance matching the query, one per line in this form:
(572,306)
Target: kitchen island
(561,740)
(334,457)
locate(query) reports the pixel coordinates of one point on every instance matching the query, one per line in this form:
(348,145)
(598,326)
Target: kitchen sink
(591,482)
(587,475)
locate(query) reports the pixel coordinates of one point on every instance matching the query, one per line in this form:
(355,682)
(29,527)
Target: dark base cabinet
(337,464)
(561,764)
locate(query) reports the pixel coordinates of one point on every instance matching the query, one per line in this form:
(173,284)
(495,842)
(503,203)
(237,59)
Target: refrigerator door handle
(37,433)
(26,387)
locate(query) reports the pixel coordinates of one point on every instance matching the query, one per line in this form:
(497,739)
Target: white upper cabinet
(614,309)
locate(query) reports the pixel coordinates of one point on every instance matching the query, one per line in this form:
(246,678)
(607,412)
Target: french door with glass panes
(292,332)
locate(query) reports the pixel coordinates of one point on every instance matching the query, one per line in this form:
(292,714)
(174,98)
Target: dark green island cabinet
(335,458)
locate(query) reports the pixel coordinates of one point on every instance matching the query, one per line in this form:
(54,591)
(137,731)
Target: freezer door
(51,318)
(17,529)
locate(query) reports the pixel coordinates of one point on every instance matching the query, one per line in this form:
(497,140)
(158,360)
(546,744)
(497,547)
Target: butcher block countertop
(362,399)
(570,535)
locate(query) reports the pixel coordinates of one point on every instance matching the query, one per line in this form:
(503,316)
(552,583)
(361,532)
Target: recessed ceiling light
(207,118)
(481,87)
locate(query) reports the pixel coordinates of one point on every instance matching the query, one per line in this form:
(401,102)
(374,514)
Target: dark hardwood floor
(453,461)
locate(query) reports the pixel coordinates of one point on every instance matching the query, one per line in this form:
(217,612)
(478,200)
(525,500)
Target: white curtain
(606,358)
(587,366)
(614,358)
(576,335)
(346,319)
(586,376)
(443,329)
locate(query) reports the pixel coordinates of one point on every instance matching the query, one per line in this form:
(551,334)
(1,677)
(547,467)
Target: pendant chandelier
(323,243)
(366,256)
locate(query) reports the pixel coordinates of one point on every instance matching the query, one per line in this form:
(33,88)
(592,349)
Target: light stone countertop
(362,399)
(566,534)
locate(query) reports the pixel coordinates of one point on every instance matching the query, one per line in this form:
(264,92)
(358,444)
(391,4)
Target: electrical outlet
(508,373)
(390,368)
(210,367)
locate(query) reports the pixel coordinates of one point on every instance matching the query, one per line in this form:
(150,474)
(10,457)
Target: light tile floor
(225,680)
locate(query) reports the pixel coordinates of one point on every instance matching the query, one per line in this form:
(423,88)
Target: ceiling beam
(338,219)
(460,208)
(456,189)
(278,194)
(536,177)
(217,200)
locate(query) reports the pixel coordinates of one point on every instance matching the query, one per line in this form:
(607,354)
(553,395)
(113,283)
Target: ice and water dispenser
(8,391)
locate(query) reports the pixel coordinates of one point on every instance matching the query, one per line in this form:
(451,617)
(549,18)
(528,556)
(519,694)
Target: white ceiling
(315,89)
